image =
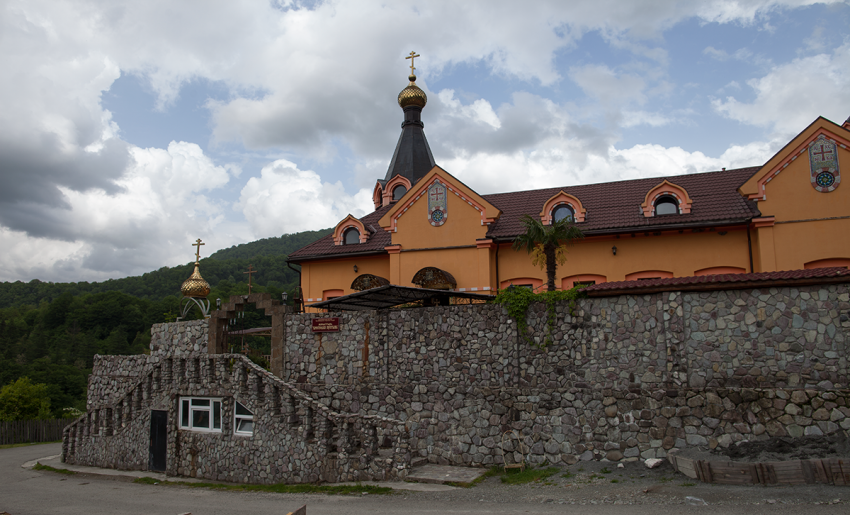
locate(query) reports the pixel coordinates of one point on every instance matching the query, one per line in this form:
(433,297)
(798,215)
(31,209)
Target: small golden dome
(195,285)
(412,95)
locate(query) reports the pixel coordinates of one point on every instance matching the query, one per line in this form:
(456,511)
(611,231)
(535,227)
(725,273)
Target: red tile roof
(324,247)
(722,281)
(615,206)
(611,207)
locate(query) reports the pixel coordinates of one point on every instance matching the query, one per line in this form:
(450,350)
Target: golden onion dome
(412,95)
(195,285)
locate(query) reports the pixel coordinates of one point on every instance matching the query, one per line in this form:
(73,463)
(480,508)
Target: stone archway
(218,322)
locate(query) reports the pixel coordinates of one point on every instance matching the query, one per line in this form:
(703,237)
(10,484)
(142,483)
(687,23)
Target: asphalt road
(25,491)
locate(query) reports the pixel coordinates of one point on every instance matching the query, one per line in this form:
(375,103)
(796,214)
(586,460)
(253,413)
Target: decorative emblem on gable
(823,160)
(437,204)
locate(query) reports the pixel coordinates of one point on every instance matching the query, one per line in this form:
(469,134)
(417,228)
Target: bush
(23,400)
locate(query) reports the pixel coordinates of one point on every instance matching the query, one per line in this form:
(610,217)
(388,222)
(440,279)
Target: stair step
(445,474)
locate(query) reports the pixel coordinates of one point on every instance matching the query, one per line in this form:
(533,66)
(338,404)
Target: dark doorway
(159,434)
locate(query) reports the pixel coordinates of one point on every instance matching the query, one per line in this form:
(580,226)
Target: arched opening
(351,236)
(563,212)
(666,205)
(399,192)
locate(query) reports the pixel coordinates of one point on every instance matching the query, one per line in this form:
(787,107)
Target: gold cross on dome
(411,57)
(198,251)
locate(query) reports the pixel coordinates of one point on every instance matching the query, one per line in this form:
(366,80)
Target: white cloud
(792,95)
(160,209)
(307,83)
(285,199)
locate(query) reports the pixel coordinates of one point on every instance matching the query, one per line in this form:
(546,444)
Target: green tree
(23,400)
(547,244)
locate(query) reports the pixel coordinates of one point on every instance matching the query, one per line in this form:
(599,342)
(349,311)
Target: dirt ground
(836,445)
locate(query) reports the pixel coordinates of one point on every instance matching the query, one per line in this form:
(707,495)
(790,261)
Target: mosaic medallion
(823,161)
(437,204)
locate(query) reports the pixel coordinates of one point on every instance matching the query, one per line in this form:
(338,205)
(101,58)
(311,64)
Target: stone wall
(295,438)
(112,376)
(179,339)
(626,377)
(780,337)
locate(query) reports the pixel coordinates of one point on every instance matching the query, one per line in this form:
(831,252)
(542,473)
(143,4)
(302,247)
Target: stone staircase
(330,446)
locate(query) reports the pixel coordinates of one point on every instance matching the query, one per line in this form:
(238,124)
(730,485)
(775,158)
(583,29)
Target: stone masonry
(627,377)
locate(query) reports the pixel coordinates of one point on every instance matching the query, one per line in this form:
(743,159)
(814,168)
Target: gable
(455,215)
(787,186)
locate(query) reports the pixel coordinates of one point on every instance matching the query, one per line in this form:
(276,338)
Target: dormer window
(563,212)
(666,199)
(399,192)
(666,205)
(351,236)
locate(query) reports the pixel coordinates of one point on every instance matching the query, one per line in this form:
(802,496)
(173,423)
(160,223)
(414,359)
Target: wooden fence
(26,431)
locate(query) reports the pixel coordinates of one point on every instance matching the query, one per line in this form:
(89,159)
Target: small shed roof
(389,296)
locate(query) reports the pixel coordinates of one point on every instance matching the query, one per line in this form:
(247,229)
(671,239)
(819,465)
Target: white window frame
(187,401)
(237,418)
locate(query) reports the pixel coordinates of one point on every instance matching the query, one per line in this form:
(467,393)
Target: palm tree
(547,244)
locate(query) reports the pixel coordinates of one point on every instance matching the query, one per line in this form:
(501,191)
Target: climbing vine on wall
(517,299)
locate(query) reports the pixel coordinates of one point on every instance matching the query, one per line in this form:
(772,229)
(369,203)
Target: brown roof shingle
(611,207)
(721,281)
(615,206)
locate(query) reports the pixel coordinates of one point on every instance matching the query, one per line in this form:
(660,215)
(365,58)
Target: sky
(130,129)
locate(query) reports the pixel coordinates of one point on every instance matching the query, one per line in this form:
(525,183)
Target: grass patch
(688,484)
(567,475)
(615,480)
(39,466)
(605,470)
(277,488)
(28,444)
(528,476)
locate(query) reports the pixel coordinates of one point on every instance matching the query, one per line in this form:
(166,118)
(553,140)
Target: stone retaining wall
(465,425)
(778,337)
(626,377)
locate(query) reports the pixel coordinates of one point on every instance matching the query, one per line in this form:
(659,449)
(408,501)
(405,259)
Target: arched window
(666,205)
(351,236)
(563,212)
(399,192)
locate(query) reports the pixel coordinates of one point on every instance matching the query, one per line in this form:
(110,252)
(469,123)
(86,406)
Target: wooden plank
(840,470)
(808,471)
(705,469)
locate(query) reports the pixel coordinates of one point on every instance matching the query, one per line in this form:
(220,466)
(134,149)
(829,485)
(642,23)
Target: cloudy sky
(129,129)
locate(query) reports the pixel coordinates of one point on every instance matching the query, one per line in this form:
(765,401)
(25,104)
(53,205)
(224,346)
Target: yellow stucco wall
(462,227)
(680,254)
(809,225)
(318,276)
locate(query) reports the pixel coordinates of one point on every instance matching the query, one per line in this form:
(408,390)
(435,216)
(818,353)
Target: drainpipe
(750,247)
(300,287)
(497,265)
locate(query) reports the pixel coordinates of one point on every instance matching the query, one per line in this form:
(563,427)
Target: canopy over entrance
(388,296)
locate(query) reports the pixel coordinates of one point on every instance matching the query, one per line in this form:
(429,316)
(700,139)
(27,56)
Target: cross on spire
(198,251)
(412,56)
(250,272)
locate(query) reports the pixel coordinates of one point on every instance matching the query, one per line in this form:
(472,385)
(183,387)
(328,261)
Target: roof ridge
(660,178)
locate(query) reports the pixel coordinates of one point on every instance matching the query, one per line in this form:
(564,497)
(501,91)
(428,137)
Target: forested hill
(284,245)
(224,270)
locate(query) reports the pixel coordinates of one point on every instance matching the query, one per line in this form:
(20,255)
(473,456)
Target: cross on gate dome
(195,285)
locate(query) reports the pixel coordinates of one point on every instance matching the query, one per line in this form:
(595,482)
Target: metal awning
(388,296)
